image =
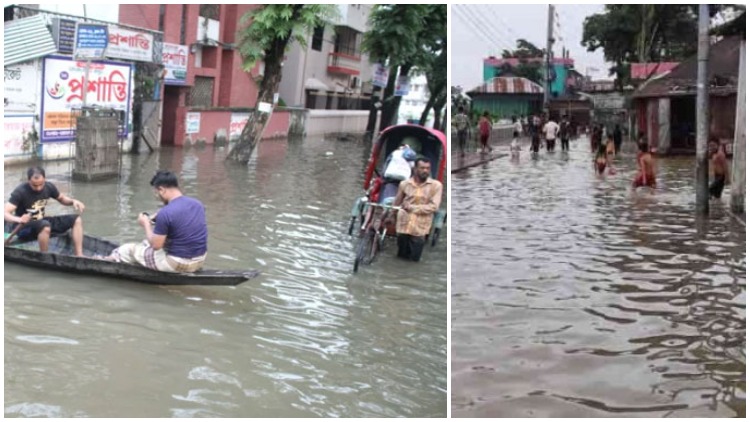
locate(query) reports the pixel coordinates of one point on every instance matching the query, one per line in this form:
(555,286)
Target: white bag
(398,168)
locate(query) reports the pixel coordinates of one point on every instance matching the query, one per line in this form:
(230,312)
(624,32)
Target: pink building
(204,83)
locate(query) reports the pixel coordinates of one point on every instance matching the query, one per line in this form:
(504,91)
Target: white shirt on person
(550,130)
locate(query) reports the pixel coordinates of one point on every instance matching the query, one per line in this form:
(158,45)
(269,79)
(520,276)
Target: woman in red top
(484,130)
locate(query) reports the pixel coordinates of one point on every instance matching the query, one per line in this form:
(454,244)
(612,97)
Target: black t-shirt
(26,199)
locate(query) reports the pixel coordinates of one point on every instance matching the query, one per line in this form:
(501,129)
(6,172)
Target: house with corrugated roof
(665,104)
(505,97)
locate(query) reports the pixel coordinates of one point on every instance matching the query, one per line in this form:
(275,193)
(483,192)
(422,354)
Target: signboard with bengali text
(21,85)
(130,45)
(402,86)
(193,123)
(64,34)
(236,124)
(90,41)
(379,75)
(175,59)
(15,128)
(62,87)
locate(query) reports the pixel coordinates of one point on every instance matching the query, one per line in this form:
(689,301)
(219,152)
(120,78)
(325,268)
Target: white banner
(175,59)
(21,86)
(109,87)
(193,123)
(131,45)
(380,75)
(402,86)
(265,107)
(236,124)
(15,128)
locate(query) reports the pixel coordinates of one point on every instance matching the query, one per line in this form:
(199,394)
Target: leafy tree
(631,33)
(403,37)
(267,38)
(437,85)
(459,99)
(734,27)
(524,50)
(529,69)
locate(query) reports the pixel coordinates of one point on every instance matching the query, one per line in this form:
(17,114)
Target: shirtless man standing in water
(719,164)
(646,175)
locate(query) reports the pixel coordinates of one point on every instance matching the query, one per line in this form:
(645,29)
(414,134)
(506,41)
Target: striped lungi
(143,254)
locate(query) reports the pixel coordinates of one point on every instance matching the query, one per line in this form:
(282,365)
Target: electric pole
(548,56)
(701,118)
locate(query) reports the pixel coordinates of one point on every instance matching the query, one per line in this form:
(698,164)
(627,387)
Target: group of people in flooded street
(605,146)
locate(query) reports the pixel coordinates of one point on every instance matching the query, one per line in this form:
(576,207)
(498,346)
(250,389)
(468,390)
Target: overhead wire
(479,21)
(471,21)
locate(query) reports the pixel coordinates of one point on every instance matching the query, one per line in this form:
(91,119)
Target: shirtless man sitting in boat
(178,241)
(25,212)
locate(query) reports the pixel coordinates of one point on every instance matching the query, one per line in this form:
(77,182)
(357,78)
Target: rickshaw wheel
(364,250)
(351,225)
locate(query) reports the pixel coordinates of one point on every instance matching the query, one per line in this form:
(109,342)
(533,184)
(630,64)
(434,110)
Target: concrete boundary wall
(319,122)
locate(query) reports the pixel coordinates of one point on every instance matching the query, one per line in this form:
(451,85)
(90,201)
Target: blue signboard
(64,33)
(91,40)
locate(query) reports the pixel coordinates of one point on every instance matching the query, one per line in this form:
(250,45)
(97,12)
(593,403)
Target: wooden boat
(60,257)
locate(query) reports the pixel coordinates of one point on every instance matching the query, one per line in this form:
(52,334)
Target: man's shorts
(717,187)
(58,225)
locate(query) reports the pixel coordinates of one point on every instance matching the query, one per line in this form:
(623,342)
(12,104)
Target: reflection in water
(307,338)
(575,296)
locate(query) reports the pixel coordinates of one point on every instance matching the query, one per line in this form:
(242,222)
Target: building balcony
(345,64)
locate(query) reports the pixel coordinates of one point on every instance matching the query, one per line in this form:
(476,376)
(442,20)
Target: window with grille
(201,95)
(317,38)
(210,11)
(348,41)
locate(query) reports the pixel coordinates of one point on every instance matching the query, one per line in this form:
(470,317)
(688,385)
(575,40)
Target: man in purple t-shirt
(178,242)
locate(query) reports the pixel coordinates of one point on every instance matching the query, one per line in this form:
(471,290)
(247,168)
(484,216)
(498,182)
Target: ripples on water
(573,296)
(307,338)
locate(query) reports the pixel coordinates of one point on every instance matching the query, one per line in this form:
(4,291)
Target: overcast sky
(105,12)
(479,31)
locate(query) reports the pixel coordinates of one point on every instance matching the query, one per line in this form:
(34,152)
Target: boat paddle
(13,233)
(19,227)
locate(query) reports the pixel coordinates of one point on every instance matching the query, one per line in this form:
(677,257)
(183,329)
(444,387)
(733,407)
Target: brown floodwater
(574,296)
(306,339)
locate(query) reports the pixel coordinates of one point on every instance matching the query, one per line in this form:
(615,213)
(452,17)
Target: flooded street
(573,296)
(307,338)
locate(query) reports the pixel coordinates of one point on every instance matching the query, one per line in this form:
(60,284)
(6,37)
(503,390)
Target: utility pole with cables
(548,57)
(701,118)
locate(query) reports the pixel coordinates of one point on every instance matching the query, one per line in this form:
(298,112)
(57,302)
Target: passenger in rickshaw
(398,167)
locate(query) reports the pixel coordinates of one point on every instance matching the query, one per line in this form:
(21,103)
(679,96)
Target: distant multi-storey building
(330,71)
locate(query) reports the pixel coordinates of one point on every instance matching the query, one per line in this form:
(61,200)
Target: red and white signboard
(130,45)
(236,124)
(175,59)
(15,128)
(192,123)
(109,87)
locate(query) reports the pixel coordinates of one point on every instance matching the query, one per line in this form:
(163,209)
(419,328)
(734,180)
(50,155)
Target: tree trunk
(436,123)
(387,99)
(438,108)
(391,103)
(256,123)
(427,108)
